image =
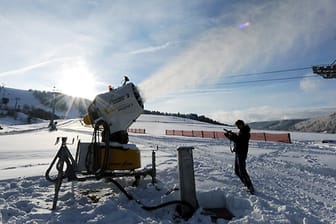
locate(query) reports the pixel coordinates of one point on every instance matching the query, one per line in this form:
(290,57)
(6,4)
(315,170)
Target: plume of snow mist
(275,29)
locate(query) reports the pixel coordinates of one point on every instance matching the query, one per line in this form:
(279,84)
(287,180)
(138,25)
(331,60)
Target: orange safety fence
(219,134)
(273,137)
(187,133)
(169,132)
(137,130)
(260,136)
(198,134)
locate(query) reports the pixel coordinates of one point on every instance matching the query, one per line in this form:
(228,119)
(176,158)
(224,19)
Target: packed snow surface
(295,183)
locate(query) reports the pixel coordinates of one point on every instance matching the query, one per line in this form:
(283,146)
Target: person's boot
(251,189)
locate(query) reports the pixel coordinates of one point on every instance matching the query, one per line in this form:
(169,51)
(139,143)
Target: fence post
(289,138)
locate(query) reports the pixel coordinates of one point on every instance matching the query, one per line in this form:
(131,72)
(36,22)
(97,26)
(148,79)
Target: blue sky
(185,56)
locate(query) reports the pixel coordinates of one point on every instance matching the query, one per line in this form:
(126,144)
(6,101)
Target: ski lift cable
(266,80)
(221,87)
(333,62)
(232,75)
(269,72)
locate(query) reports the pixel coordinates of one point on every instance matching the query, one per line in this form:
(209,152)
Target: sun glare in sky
(76,80)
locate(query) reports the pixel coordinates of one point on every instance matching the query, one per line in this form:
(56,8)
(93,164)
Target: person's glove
(228,134)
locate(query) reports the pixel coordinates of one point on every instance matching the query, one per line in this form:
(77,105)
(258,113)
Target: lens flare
(244,25)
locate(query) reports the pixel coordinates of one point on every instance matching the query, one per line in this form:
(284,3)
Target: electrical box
(91,157)
(187,178)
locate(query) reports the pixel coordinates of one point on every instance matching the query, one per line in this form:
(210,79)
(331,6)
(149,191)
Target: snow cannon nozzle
(118,109)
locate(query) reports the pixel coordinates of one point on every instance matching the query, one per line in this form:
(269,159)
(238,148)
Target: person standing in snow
(241,142)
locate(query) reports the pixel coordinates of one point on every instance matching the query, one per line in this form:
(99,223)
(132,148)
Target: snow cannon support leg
(63,156)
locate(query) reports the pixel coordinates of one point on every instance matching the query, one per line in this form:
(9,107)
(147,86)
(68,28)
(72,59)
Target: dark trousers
(240,170)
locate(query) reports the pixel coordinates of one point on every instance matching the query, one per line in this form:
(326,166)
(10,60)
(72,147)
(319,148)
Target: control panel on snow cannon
(125,157)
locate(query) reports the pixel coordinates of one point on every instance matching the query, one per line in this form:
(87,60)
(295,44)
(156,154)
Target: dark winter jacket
(241,140)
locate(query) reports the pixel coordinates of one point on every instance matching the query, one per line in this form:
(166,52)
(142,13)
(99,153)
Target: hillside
(324,124)
(28,105)
(191,116)
(279,125)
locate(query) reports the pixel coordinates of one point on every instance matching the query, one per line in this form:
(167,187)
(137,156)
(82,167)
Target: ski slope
(295,183)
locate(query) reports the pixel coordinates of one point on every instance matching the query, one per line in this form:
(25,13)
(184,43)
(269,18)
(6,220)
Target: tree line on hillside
(53,102)
(30,111)
(62,102)
(191,116)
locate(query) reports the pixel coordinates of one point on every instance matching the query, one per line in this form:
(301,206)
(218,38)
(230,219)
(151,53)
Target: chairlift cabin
(326,71)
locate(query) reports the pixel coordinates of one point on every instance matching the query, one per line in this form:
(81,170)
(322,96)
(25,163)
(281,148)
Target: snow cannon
(108,155)
(111,114)
(118,108)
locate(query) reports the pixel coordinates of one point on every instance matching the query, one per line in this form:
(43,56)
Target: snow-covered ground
(295,183)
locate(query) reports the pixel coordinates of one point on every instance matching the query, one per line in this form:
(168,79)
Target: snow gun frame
(68,167)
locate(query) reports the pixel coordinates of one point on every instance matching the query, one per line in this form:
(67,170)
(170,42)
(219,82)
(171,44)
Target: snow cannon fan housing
(115,111)
(119,108)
